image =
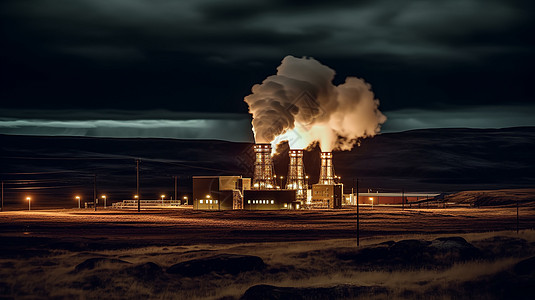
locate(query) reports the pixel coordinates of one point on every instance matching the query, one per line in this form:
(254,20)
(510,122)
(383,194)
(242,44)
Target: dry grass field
(185,254)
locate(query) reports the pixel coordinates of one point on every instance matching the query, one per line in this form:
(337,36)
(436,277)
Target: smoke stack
(327,168)
(296,175)
(263,167)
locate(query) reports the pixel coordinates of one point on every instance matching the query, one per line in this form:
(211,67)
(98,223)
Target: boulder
(221,264)
(525,267)
(146,272)
(92,263)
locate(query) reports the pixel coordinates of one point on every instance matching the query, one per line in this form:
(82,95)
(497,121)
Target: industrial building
(270,200)
(326,196)
(327,193)
(219,192)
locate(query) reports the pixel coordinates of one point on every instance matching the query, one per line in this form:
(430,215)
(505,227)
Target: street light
(186,199)
(29,203)
(78,198)
(163,196)
(281,177)
(371,199)
(104,197)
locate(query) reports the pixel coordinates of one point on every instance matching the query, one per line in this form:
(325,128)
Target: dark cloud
(206,55)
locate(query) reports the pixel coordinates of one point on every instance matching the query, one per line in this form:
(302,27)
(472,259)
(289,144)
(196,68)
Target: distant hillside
(493,197)
(441,160)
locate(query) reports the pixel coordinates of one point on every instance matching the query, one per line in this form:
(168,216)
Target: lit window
(215,201)
(210,201)
(272,201)
(201,201)
(285,205)
(248,201)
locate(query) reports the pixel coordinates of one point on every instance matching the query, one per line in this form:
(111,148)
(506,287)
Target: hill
(439,160)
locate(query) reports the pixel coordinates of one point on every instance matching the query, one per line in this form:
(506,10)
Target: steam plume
(301,105)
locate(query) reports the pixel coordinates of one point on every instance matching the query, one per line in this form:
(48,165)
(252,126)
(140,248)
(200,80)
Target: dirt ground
(186,226)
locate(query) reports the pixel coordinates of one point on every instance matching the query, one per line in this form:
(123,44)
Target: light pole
(163,196)
(358,217)
(78,198)
(176,187)
(104,197)
(137,186)
(281,177)
(29,203)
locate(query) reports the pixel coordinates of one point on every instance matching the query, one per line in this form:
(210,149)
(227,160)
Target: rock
(452,249)
(525,267)
(221,264)
(268,292)
(90,264)
(413,254)
(503,246)
(409,252)
(146,272)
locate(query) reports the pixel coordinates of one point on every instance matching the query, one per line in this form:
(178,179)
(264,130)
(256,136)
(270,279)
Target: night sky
(182,68)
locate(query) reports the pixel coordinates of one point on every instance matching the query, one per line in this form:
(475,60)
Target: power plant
(262,193)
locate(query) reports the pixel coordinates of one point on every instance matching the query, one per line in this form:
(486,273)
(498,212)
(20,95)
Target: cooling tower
(296,175)
(263,167)
(327,168)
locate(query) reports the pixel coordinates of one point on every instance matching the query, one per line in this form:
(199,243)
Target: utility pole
(517,221)
(137,187)
(95,197)
(358,216)
(175,187)
(402,198)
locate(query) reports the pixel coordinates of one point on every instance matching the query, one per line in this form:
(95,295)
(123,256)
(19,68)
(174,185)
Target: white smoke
(302,106)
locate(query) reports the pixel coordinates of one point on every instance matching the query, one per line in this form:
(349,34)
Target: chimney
(296,175)
(263,167)
(327,168)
